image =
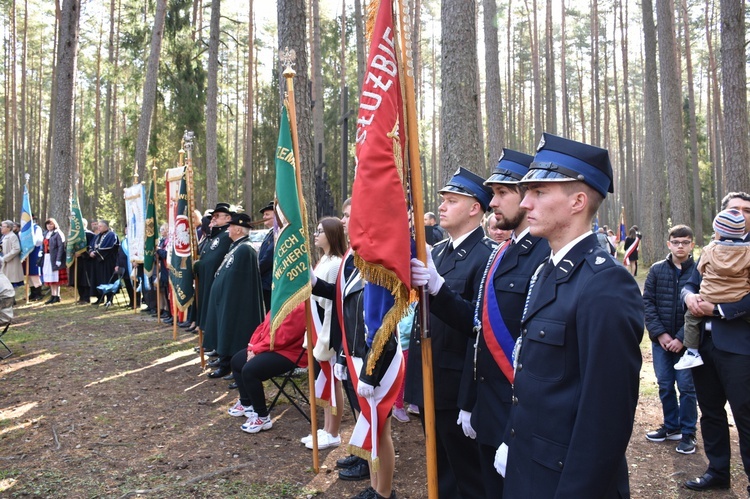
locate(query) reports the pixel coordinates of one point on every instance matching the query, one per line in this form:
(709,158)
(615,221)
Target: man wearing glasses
(665,317)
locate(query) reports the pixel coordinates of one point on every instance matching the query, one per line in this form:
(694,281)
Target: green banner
(76,243)
(181,262)
(291,259)
(150,242)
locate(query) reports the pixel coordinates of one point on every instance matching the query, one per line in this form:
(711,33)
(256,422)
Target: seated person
(252,367)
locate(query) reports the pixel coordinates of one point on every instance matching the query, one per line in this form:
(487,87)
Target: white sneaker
(308,439)
(689,360)
(255,423)
(238,410)
(325,441)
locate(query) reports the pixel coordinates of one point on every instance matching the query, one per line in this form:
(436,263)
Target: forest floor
(103,403)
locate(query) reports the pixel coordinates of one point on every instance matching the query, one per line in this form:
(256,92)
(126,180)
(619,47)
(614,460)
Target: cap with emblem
(511,167)
(241,219)
(563,160)
(267,207)
(222,208)
(730,224)
(466,183)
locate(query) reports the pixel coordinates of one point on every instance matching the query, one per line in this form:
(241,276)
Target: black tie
(450,249)
(546,271)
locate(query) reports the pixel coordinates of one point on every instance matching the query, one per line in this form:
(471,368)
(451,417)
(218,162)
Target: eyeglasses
(680,243)
(318,232)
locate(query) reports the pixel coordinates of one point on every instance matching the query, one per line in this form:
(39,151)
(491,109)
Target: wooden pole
(188,146)
(156,256)
(406,68)
(289,74)
(26,277)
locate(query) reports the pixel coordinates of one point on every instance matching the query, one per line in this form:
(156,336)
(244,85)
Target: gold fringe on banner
(377,274)
(372,14)
(364,454)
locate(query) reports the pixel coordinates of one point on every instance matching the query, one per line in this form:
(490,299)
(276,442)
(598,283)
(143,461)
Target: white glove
(501,459)
(339,371)
(313,278)
(57,264)
(421,275)
(365,390)
(464,421)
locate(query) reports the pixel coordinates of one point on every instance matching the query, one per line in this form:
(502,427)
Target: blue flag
(27,226)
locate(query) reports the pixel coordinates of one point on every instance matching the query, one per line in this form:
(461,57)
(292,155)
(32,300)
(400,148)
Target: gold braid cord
(372,14)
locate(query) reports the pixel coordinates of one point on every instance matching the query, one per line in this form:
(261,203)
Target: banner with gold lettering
(149,246)
(135,209)
(291,260)
(181,258)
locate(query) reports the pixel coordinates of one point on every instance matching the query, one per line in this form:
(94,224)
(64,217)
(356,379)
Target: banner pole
(406,69)
(289,75)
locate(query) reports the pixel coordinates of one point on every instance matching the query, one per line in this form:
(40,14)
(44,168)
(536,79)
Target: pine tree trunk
(459,134)
(653,200)
(671,92)
(317,71)
(249,113)
(212,92)
(149,89)
(734,83)
(493,93)
(550,94)
(60,188)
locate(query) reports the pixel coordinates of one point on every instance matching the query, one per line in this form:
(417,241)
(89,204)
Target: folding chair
(115,288)
(296,396)
(10,352)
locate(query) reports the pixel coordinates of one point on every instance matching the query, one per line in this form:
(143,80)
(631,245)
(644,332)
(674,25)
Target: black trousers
(459,468)
(251,375)
(723,377)
(492,480)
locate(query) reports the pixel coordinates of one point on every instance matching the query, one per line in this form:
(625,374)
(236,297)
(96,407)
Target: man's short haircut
(595,199)
(431,215)
(347,202)
(105,222)
(7,223)
(738,194)
(681,230)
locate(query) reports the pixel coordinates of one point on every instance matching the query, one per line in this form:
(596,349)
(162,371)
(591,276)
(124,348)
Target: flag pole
(156,257)
(188,146)
(406,68)
(287,58)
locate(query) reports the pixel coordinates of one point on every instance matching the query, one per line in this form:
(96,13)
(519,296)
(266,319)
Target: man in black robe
(214,249)
(103,251)
(235,306)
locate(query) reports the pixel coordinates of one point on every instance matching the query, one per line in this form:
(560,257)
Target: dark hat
(563,160)
(241,219)
(222,208)
(469,184)
(511,167)
(730,224)
(267,207)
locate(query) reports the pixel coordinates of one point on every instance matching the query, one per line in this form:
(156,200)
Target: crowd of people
(530,315)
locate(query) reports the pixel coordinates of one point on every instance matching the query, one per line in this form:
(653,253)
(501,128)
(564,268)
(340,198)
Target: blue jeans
(682,416)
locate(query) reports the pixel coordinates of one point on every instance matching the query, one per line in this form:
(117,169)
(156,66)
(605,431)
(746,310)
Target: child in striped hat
(725,267)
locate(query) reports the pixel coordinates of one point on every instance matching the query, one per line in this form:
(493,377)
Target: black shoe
(213,363)
(368,493)
(192,329)
(50,301)
(359,471)
(219,373)
(168,320)
(348,461)
(228,377)
(707,482)
(232,386)
(211,353)
(184,324)
(165,315)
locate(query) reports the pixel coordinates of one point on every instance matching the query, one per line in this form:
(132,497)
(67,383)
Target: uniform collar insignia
(599,260)
(214,243)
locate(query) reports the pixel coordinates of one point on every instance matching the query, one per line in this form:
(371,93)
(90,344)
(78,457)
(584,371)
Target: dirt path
(97,403)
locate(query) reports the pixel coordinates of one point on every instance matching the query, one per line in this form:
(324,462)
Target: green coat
(212,254)
(236,300)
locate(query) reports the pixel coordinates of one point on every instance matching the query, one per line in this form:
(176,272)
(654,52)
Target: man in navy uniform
(725,348)
(460,260)
(578,361)
(265,255)
(486,387)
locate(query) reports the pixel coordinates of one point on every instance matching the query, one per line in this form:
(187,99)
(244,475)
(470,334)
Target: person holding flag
(459,262)
(632,242)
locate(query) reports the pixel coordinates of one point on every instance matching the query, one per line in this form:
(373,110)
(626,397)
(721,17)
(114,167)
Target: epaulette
(598,259)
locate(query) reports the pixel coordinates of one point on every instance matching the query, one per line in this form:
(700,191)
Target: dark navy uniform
(265,261)
(461,268)
(577,370)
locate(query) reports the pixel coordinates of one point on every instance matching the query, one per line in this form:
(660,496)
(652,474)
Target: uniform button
(525,331)
(515,400)
(520,367)
(481,378)
(512,432)
(511,285)
(542,334)
(559,464)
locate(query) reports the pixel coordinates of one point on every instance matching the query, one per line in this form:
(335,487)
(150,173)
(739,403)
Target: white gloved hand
(365,390)
(57,264)
(464,421)
(426,275)
(501,459)
(313,278)
(339,371)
